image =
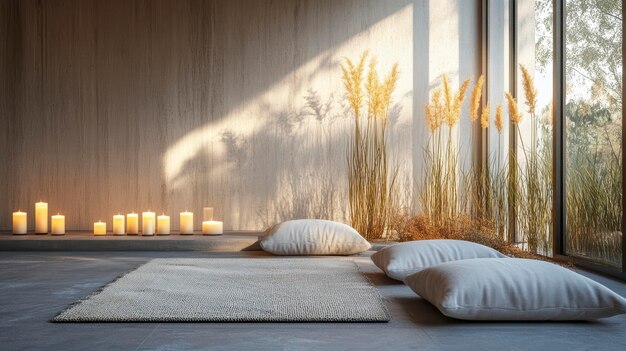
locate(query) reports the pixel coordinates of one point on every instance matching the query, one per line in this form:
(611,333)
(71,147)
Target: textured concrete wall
(114,106)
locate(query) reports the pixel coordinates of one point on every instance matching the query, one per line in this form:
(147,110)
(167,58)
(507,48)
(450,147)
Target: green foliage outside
(593,66)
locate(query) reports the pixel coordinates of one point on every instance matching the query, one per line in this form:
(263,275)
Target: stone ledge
(84,241)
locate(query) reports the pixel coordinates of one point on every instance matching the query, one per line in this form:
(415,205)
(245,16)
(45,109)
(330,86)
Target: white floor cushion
(401,260)
(514,289)
(313,237)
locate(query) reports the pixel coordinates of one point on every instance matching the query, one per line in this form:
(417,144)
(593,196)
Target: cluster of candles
(122,225)
(20,221)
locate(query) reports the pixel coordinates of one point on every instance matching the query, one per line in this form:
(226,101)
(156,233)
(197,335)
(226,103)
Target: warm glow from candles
(163,225)
(20,222)
(186,222)
(118,225)
(41,217)
(212,228)
(132,224)
(100,228)
(147,223)
(58,225)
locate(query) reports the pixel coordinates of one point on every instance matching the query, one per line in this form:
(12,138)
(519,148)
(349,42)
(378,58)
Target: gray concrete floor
(35,286)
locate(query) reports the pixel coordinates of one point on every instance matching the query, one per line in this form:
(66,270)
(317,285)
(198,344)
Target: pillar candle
(147,223)
(20,222)
(41,218)
(132,224)
(163,225)
(212,228)
(99,228)
(58,225)
(207,214)
(186,222)
(118,224)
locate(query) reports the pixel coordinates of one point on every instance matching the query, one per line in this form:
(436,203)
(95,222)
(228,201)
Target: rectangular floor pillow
(401,260)
(514,289)
(313,237)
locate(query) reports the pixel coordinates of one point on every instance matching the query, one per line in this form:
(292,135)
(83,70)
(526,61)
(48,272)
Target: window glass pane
(498,134)
(534,131)
(593,102)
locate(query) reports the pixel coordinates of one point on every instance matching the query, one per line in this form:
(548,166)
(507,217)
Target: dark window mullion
(558,129)
(512,228)
(623,226)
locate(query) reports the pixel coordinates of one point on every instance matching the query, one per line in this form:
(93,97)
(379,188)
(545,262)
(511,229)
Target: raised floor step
(84,241)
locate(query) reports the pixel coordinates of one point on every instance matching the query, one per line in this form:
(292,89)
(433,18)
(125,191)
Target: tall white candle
(20,220)
(99,228)
(41,218)
(186,222)
(163,225)
(212,228)
(207,214)
(58,225)
(132,224)
(118,224)
(147,223)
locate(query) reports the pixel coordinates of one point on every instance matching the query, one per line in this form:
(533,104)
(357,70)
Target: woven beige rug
(235,290)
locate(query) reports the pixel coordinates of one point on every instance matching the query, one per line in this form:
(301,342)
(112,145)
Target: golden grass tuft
(434,111)
(439,194)
(370,180)
(388,87)
(483,232)
(475,100)
(447,94)
(514,114)
(352,76)
(479,204)
(529,90)
(452,102)
(498,121)
(372,87)
(459,97)
(484,117)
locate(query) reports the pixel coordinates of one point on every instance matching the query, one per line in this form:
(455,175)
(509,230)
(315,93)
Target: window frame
(559,148)
(558,131)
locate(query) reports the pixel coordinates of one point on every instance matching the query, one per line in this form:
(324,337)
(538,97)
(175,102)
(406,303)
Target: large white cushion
(401,260)
(514,289)
(313,237)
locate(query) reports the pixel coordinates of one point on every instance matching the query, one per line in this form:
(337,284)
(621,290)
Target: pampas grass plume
(475,100)
(514,114)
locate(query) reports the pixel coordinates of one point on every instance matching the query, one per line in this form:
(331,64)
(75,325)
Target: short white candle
(132,224)
(207,214)
(100,228)
(212,227)
(41,218)
(20,222)
(58,225)
(118,224)
(147,223)
(163,225)
(186,222)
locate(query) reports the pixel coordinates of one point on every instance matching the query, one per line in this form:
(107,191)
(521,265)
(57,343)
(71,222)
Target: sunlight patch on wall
(281,154)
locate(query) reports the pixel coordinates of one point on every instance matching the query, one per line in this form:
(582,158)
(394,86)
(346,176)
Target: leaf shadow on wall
(302,162)
(269,140)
